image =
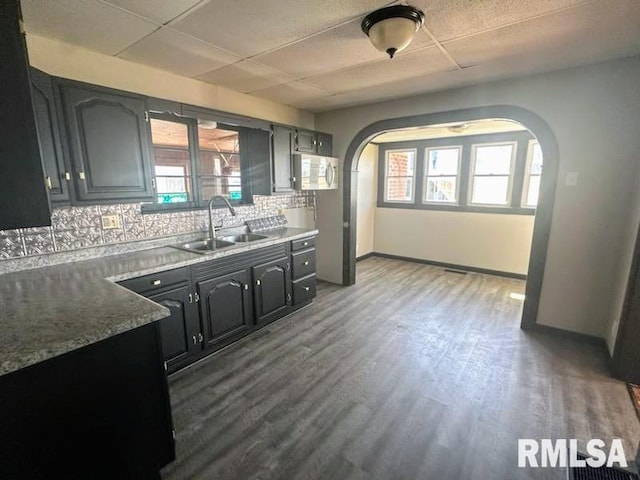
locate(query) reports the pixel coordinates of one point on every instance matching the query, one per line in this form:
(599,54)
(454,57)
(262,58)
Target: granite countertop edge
(21,349)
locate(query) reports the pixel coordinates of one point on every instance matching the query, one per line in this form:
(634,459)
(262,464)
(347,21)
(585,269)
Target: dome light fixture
(391,29)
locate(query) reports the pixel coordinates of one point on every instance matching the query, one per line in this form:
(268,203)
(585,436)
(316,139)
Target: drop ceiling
(311,54)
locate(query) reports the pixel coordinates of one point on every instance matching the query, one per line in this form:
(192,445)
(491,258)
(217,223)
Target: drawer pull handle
(306,289)
(155,283)
(306,263)
(305,244)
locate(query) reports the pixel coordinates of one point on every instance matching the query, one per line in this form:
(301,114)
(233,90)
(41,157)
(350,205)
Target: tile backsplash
(79,227)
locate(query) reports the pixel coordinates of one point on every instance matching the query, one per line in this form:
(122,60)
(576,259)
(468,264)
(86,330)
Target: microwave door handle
(327,177)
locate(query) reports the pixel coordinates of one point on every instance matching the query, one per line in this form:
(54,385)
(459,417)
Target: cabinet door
(283,139)
(272,289)
(109,144)
(225,307)
(325,144)
(180,331)
(24,200)
(49,138)
(306,141)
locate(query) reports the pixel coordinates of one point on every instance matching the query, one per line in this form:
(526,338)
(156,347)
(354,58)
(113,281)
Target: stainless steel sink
(205,246)
(246,237)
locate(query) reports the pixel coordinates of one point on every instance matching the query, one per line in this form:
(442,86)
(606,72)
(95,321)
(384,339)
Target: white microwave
(315,172)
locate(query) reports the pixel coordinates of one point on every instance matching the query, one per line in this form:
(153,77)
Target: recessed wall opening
(471,193)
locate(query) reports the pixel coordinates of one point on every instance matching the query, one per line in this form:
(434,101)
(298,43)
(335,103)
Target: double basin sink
(214,244)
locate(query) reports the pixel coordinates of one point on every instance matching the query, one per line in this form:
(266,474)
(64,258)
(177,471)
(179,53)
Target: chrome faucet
(212,227)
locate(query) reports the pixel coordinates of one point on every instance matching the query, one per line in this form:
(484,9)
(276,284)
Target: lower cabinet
(180,332)
(213,303)
(272,289)
(225,307)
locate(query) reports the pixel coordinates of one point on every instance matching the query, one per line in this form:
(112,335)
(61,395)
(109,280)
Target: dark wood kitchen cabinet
(180,332)
(225,307)
(57,173)
(100,412)
(283,149)
(108,138)
(272,289)
(24,200)
(317,143)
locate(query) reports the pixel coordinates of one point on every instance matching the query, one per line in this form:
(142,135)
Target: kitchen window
(442,167)
(195,160)
(532,176)
(400,174)
(492,171)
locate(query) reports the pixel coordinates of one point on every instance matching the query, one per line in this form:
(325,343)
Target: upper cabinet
(108,138)
(56,173)
(283,149)
(24,199)
(317,143)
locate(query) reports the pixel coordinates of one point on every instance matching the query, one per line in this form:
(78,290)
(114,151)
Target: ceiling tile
(249,27)
(291,93)
(89,23)
(160,12)
(420,64)
(178,53)
(448,19)
(246,76)
(586,34)
(341,47)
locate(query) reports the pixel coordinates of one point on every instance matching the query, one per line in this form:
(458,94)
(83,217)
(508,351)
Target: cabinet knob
(190,298)
(81,175)
(320,144)
(47,181)
(67,176)
(200,338)
(306,289)
(306,263)
(304,244)
(258,282)
(155,283)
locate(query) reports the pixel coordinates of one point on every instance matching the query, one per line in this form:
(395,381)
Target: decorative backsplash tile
(79,227)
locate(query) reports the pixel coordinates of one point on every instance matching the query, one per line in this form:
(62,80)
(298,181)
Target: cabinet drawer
(303,243)
(304,263)
(157,280)
(304,289)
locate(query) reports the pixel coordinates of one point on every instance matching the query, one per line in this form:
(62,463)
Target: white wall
(593,112)
(482,240)
(367,198)
(69,61)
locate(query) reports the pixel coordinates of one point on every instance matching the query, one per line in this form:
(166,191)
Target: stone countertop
(53,310)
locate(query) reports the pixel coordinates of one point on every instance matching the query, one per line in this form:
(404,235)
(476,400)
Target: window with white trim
(492,168)
(442,168)
(399,176)
(532,175)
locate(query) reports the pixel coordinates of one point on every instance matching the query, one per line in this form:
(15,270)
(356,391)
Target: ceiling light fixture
(391,29)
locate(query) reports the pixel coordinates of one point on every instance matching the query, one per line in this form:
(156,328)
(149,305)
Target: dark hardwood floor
(413,373)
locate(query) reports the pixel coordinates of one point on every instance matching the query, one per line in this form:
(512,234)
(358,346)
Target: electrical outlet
(110,222)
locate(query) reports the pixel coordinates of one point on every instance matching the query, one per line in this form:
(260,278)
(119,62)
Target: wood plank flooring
(413,373)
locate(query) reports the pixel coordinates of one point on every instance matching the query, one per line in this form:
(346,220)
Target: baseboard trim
(365,256)
(581,337)
(454,266)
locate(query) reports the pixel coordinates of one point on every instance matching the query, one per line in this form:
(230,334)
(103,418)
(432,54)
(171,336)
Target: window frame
(426,176)
(521,138)
(194,155)
(510,175)
(413,177)
(527,174)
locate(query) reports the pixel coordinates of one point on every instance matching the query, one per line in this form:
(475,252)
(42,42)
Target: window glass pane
(169,134)
(493,159)
(399,189)
(171,188)
(441,189)
(533,191)
(218,140)
(228,187)
(490,190)
(443,161)
(401,164)
(214,163)
(536,160)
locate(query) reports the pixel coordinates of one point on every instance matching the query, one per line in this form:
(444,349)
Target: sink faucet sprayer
(212,228)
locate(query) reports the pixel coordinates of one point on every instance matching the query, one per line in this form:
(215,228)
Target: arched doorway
(544,211)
